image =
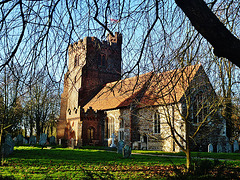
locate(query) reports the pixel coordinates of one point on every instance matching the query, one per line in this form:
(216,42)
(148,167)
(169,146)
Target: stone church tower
(92,64)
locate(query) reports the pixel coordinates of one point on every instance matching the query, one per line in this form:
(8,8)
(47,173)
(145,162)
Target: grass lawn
(227,156)
(63,163)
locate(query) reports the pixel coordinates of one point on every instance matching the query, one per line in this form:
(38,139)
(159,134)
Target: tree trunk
(188,160)
(1,154)
(225,44)
(188,151)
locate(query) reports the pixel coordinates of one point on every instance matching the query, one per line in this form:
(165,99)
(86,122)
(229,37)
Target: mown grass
(227,156)
(63,163)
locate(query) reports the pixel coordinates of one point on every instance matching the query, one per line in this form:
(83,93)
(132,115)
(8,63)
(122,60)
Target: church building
(97,105)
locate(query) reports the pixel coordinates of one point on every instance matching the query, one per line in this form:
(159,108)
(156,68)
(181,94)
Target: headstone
(8,146)
(219,148)
(72,142)
(135,145)
(32,140)
(19,140)
(15,140)
(235,146)
(43,139)
(113,136)
(52,140)
(144,146)
(120,147)
(210,148)
(228,147)
(25,141)
(127,151)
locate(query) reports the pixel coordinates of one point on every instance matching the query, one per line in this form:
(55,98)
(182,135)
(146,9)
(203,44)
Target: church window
(69,111)
(121,130)
(199,108)
(102,61)
(76,61)
(90,133)
(121,123)
(106,128)
(75,79)
(111,128)
(156,123)
(121,135)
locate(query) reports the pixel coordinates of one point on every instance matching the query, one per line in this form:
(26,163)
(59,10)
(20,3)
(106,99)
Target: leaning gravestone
(210,148)
(8,146)
(32,140)
(219,148)
(43,139)
(52,140)
(235,146)
(127,151)
(19,140)
(120,147)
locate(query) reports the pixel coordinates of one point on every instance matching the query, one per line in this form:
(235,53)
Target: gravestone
(72,142)
(32,140)
(113,145)
(127,151)
(135,145)
(235,146)
(43,139)
(8,146)
(144,146)
(219,148)
(19,140)
(52,140)
(228,147)
(25,141)
(120,147)
(210,148)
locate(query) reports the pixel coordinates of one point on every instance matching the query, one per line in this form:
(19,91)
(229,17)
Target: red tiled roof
(145,90)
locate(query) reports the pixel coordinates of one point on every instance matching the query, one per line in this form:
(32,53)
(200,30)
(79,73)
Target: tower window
(76,61)
(102,61)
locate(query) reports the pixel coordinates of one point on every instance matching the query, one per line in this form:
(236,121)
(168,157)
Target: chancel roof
(145,90)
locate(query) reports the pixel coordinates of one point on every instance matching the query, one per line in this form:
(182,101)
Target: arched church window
(75,109)
(199,108)
(121,130)
(76,60)
(156,123)
(69,111)
(102,60)
(111,128)
(90,133)
(121,123)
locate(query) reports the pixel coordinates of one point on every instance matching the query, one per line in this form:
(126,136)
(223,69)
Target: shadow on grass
(86,155)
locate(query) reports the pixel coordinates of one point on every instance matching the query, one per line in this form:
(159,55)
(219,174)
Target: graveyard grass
(64,163)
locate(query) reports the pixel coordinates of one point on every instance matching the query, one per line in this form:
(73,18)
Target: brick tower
(92,63)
